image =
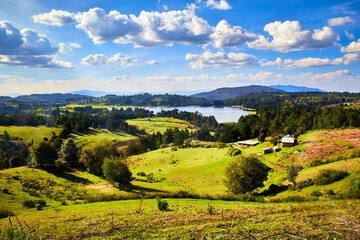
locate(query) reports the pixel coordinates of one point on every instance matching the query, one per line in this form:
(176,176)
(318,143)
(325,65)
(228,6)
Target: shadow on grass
(146,190)
(69,177)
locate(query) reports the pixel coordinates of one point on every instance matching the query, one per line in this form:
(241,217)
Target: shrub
(116,170)
(162,205)
(41,202)
(316,162)
(330,192)
(62,165)
(245,174)
(143,174)
(39,207)
(292,173)
(29,204)
(232,152)
(5,190)
(328,176)
(5,213)
(316,193)
(210,209)
(355,184)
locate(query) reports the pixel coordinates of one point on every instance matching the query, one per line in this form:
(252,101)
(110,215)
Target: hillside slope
(227,93)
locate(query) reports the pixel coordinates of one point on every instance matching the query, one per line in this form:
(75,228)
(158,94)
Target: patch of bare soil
(104,186)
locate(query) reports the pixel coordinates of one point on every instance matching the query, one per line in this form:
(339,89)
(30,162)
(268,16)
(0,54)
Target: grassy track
(30,133)
(153,125)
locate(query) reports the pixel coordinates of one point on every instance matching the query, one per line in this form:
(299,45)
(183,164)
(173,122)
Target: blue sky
(167,46)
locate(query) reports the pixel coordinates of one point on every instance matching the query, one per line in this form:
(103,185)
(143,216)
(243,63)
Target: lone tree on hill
(43,153)
(116,170)
(93,155)
(244,174)
(70,152)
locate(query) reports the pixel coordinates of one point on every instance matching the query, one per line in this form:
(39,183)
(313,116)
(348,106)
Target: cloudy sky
(167,45)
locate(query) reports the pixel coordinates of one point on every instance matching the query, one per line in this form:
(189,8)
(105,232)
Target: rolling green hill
(153,125)
(28,133)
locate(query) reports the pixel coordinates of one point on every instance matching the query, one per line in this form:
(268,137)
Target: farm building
(277,149)
(247,143)
(267,150)
(288,141)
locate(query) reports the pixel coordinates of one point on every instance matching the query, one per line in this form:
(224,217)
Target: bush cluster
(162,205)
(5,213)
(328,176)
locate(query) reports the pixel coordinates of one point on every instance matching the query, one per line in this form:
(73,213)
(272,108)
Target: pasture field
(197,170)
(28,133)
(95,135)
(190,219)
(153,125)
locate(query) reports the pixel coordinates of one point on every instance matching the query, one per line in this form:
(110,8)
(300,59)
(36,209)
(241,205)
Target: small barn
(267,150)
(247,143)
(277,149)
(288,141)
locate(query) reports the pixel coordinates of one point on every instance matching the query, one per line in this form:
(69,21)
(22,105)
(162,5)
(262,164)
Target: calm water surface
(225,114)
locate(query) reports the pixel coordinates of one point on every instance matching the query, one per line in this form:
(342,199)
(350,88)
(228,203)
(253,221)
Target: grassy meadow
(28,133)
(154,125)
(95,135)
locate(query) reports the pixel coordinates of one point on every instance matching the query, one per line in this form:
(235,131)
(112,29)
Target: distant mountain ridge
(231,92)
(51,98)
(124,93)
(292,88)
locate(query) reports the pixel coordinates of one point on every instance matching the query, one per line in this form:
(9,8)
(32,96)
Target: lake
(222,115)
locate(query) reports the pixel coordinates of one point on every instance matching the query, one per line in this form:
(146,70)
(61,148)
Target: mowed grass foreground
(191,219)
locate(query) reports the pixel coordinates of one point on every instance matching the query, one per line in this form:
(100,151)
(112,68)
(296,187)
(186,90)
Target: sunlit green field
(153,125)
(30,133)
(95,135)
(197,170)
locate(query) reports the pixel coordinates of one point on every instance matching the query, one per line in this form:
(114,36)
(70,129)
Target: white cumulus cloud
(221,4)
(168,27)
(220,59)
(340,21)
(226,35)
(93,60)
(123,60)
(290,36)
(55,18)
(75,45)
(28,48)
(349,58)
(102,27)
(99,59)
(153,62)
(352,47)
(149,29)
